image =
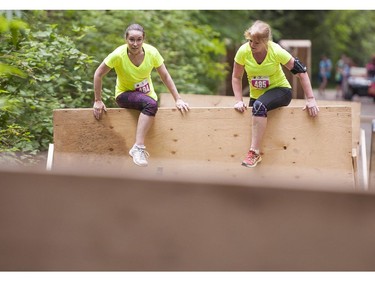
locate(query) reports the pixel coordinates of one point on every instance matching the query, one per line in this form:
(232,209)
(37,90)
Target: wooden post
(302,50)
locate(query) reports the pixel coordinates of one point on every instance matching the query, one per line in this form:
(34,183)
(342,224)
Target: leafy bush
(41,71)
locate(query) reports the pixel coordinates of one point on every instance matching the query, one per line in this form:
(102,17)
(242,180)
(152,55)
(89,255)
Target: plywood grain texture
(213,138)
(194,100)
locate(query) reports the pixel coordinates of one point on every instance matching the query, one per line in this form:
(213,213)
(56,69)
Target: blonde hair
(259,31)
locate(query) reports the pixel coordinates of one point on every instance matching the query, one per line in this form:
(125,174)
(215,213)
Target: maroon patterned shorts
(139,101)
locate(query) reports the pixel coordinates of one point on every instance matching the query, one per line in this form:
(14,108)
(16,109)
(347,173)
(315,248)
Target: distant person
(133,63)
(325,68)
(346,73)
(340,75)
(370,67)
(262,58)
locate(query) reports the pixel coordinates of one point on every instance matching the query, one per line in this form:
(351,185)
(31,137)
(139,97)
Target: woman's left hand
(181,105)
(312,107)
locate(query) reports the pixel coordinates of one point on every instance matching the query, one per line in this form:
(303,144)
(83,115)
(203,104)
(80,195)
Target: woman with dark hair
(133,63)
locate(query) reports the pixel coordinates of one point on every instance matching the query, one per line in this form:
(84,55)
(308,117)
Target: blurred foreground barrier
(81,221)
(296,146)
(372,158)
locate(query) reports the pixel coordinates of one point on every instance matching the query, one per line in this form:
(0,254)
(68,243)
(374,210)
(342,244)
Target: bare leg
(144,124)
(322,86)
(259,127)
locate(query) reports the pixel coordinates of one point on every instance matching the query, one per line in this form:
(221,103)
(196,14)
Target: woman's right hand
(240,106)
(99,107)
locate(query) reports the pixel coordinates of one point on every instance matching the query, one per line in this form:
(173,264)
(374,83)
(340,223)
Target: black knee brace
(259,109)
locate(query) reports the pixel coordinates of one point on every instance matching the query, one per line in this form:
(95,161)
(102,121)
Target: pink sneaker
(252,159)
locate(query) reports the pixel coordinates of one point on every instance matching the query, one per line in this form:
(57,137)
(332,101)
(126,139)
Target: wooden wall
(166,100)
(296,147)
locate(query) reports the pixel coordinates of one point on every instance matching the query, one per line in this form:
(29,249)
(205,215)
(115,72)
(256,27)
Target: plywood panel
(214,138)
(194,100)
(98,222)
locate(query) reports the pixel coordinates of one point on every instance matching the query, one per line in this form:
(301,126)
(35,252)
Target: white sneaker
(139,155)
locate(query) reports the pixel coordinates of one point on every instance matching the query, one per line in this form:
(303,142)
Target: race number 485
(260,82)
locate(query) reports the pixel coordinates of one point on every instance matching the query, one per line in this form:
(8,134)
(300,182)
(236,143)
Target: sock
(255,150)
(139,146)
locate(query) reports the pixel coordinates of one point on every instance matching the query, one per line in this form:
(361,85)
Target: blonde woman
(262,58)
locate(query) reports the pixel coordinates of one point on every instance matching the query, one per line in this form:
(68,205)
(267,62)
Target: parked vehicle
(359,84)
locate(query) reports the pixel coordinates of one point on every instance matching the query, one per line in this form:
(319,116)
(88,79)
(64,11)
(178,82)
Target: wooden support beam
(97,222)
(296,147)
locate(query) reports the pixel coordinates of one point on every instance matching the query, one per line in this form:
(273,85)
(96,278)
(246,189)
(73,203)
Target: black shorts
(274,98)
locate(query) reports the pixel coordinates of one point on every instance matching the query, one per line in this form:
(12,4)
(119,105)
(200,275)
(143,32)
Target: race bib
(260,82)
(143,86)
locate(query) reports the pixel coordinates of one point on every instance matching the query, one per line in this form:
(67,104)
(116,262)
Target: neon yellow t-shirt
(131,77)
(267,75)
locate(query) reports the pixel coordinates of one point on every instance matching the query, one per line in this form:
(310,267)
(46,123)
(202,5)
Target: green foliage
(349,32)
(8,70)
(45,71)
(193,52)
(14,138)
